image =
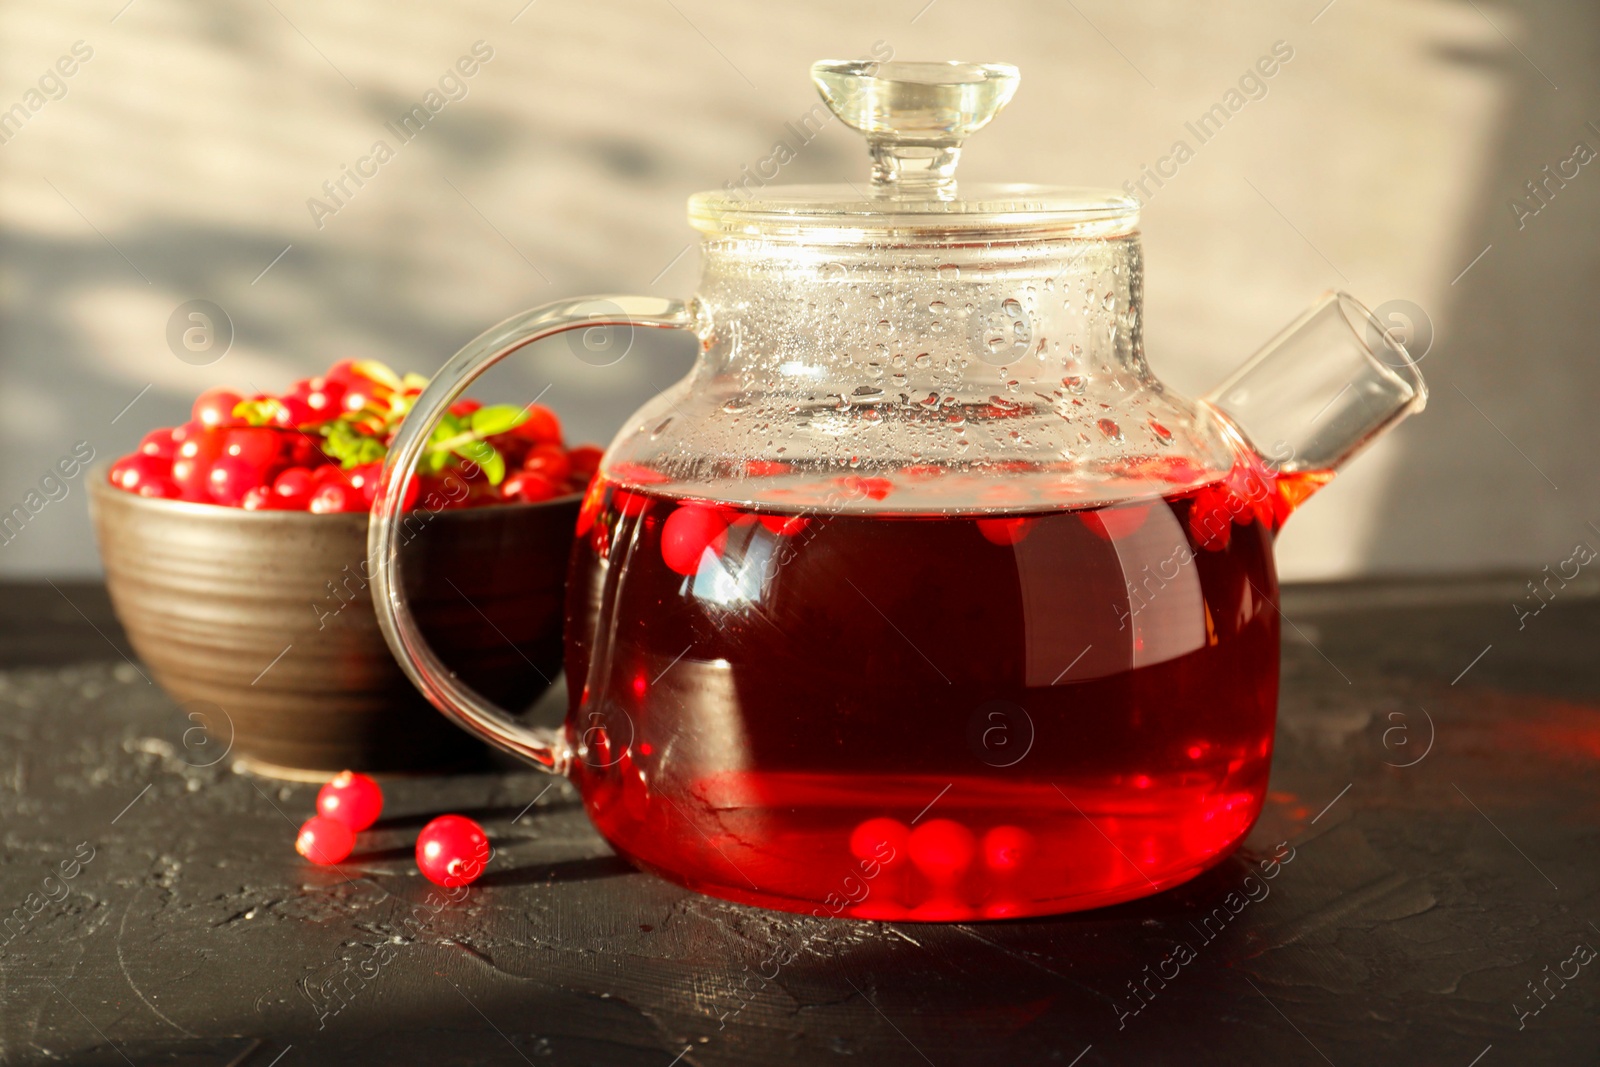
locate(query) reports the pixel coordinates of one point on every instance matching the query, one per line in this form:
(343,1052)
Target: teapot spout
(1329,384)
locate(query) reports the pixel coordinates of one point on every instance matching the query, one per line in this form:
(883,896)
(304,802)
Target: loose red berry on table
(324,841)
(452,850)
(353,799)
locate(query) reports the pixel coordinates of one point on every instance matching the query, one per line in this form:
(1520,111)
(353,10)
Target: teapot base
(1008,851)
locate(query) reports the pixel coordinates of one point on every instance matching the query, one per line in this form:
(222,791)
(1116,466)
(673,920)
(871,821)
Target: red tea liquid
(924,716)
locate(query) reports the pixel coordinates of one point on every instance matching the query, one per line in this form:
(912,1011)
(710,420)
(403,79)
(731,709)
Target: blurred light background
(176,161)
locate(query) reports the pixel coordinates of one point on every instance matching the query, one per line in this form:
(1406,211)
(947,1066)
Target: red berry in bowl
(259,498)
(324,841)
(549,460)
(214,408)
(542,427)
(452,850)
(585,461)
(159,443)
(230,478)
(135,471)
(258,445)
(161,489)
(335,497)
(196,451)
(292,488)
(353,799)
(529,487)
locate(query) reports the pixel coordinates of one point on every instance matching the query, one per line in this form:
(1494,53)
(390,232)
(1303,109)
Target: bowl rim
(100,485)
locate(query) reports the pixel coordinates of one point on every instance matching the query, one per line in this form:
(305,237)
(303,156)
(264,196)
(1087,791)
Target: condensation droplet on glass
(1110,429)
(661,427)
(949,272)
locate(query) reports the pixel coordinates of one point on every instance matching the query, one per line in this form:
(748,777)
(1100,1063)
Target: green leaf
(258,412)
(492,463)
(352,448)
(500,418)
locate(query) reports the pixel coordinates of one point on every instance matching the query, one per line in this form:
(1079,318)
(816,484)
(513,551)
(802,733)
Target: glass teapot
(919,598)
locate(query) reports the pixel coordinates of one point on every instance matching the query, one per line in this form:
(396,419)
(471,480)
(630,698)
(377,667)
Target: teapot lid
(916,117)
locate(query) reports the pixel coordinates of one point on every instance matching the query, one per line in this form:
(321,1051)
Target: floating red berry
(688,532)
(1005,531)
(323,840)
(353,799)
(452,850)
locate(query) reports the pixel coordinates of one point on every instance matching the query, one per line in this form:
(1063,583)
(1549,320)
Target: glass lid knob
(915,116)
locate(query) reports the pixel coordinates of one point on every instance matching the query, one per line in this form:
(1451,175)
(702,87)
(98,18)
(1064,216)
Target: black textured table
(1436,902)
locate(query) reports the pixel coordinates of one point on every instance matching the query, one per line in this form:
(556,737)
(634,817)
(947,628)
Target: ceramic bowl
(259,624)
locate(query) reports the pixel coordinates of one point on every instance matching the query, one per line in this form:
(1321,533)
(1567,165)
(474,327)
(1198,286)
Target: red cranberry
(550,461)
(452,850)
(325,841)
(293,488)
(196,452)
(160,488)
(585,461)
(883,840)
(293,411)
(688,532)
(353,799)
(214,408)
(230,478)
(1005,531)
(137,470)
(530,487)
(159,443)
(942,849)
(462,408)
(336,497)
(1006,848)
(542,427)
(784,525)
(365,479)
(259,498)
(1114,523)
(257,445)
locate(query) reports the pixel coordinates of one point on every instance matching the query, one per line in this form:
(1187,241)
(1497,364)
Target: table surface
(1434,777)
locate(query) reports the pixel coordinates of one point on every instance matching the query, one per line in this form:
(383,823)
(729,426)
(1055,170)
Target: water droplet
(937,307)
(1108,301)
(885,327)
(1012,307)
(661,427)
(1163,434)
(1074,384)
(922,360)
(1110,429)
(949,272)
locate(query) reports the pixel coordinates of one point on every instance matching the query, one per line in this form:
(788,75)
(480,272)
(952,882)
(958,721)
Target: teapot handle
(542,746)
